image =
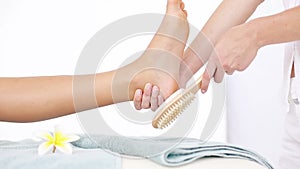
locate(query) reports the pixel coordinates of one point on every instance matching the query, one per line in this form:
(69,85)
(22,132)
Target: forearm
(229,14)
(279,28)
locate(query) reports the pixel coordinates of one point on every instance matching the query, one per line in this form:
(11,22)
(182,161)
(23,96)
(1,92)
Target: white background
(40,38)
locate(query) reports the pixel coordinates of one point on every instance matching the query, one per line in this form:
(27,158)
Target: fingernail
(148,86)
(155,88)
(203,91)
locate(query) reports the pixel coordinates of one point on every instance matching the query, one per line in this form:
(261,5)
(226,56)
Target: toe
(173,5)
(182,5)
(138,99)
(154,98)
(185,13)
(146,96)
(176,7)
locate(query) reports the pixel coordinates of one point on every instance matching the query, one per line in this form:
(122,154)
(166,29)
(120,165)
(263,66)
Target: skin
(40,98)
(235,42)
(223,19)
(237,52)
(151,98)
(200,51)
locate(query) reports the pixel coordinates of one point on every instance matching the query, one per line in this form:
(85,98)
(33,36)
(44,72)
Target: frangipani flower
(57,140)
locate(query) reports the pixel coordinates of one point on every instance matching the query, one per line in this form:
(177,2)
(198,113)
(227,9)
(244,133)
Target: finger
(228,69)
(205,82)
(219,75)
(154,98)
(160,100)
(219,72)
(146,96)
(229,72)
(137,100)
(208,74)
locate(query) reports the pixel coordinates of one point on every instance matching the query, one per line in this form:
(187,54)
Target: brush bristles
(175,109)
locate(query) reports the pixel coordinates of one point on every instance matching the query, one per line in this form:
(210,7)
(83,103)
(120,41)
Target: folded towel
(91,152)
(169,151)
(24,155)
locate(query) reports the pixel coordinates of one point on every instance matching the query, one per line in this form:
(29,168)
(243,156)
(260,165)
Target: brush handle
(194,88)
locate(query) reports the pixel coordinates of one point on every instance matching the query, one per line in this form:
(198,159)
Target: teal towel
(103,152)
(24,155)
(169,151)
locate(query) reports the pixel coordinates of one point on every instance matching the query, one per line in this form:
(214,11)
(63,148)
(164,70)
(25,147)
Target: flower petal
(71,138)
(58,128)
(65,148)
(45,148)
(59,137)
(45,136)
(65,138)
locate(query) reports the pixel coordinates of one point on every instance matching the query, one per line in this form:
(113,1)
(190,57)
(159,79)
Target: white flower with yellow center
(57,140)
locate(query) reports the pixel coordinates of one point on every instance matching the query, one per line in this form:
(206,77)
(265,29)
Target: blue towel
(24,155)
(169,151)
(100,152)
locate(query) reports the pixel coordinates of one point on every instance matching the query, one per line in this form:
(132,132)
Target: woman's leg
(41,98)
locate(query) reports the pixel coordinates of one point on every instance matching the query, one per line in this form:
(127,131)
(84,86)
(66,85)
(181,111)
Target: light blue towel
(24,155)
(91,152)
(170,151)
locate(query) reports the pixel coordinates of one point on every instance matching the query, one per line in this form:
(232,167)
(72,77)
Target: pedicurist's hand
(150,98)
(234,51)
(237,48)
(213,70)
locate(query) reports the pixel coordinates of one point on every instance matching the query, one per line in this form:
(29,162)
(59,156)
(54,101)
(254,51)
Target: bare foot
(161,61)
